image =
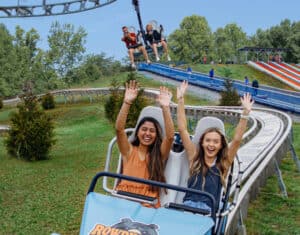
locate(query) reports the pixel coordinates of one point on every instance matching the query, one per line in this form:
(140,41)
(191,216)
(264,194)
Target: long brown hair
(156,164)
(198,163)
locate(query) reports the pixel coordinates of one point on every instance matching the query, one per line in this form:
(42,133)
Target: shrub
(227,72)
(230,96)
(115,100)
(48,101)
(31,134)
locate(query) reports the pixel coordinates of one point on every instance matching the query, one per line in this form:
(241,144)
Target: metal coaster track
(265,144)
(50,8)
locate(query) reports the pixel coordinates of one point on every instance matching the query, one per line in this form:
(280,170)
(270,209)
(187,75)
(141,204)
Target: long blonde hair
(198,165)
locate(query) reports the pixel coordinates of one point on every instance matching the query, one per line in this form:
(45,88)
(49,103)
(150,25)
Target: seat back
(150,111)
(204,124)
(177,168)
(174,173)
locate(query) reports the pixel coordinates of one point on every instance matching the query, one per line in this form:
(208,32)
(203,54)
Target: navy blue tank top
(212,185)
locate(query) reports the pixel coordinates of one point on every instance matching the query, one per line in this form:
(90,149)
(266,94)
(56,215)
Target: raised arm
(132,37)
(131,91)
(129,36)
(241,127)
(164,99)
(181,122)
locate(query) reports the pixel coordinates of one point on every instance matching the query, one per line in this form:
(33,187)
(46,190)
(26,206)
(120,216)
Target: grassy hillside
(48,196)
(239,71)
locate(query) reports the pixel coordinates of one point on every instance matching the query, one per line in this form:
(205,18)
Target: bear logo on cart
(125,227)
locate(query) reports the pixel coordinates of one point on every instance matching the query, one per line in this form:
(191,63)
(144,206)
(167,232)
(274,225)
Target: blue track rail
(277,98)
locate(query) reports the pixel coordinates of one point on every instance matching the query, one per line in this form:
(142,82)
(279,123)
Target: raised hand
(164,97)
(247,103)
(131,91)
(182,89)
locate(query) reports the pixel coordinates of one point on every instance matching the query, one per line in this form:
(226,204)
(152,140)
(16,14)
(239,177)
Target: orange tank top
(137,168)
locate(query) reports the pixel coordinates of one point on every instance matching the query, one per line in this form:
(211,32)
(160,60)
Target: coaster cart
(137,54)
(141,33)
(117,212)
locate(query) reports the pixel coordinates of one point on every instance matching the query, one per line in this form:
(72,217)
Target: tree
(93,68)
(115,100)
(193,40)
(230,96)
(293,44)
(8,64)
(261,39)
(285,35)
(26,50)
(76,76)
(31,134)
(22,61)
(106,66)
(220,49)
(227,72)
(66,47)
(45,77)
(17,58)
(279,34)
(227,41)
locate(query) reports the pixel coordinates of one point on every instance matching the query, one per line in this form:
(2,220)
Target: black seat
(187,208)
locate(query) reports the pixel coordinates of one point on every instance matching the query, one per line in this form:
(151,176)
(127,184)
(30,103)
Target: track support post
(280,179)
(294,154)
(241,229)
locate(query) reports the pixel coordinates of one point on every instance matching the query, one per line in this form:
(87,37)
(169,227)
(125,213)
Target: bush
(1,103)
(48,101)
(31,134)
(227,72)
(230,96)
(115,100)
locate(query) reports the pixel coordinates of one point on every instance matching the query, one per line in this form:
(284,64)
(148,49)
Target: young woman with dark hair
(146,155)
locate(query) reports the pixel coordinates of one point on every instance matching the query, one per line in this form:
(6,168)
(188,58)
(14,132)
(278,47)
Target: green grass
(271,213)
(239,71)
(144,82)
(106,82)
(48,196)
(4,114)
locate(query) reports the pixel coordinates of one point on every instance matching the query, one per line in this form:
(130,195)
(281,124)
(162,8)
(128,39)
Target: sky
(103,24)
